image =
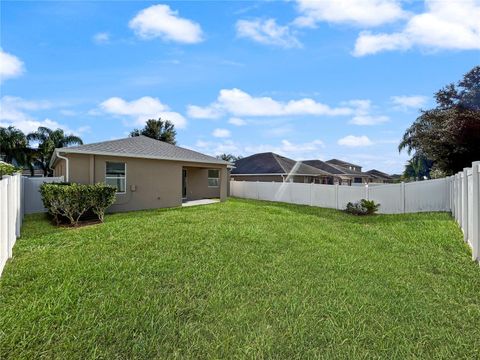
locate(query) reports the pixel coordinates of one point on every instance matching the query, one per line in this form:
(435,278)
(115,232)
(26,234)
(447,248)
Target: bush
(8,169)
(71,201)
(362,207)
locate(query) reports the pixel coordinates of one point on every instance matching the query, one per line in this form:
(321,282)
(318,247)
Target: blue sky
(339,79)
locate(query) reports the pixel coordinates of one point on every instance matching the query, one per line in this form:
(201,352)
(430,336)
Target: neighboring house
(351,173)
(147,173)
(377,176)
(341,176)
(273,167)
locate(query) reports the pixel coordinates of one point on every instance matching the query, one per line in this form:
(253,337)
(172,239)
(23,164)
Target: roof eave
(106,153)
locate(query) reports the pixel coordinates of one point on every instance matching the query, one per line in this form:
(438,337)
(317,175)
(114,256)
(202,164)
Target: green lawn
(242,279)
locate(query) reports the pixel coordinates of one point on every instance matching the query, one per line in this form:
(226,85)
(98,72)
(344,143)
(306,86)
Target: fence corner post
(476,211)
(465,204)
(367,194)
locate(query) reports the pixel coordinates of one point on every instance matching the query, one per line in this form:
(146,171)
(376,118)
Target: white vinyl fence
(11,215)
(33,200)
(430,195)
(465,200)
(458,194)
(18,196)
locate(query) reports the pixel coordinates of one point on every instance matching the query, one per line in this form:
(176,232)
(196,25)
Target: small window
(115,175)
(213,178)
(357,180)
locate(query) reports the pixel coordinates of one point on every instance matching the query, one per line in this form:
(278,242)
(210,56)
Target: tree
(48,140)
(449,134)
(13,144)
(158,130)
(229,157)
(418,167)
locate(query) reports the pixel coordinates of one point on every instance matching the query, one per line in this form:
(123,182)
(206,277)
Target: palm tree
(229,157)
(13,144)
(158,130)
(48,140)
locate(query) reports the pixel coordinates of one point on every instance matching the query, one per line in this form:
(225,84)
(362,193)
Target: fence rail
(11,215)
(458,194)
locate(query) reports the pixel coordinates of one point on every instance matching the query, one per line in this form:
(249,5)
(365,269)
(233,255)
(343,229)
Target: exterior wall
(78,168)
(60,169)
(197,184)
(150,183)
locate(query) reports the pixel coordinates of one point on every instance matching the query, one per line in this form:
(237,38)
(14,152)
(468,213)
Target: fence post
(258,195)
(459,199)
(476,210)
(465,204)
(311,192)
(336,196)
(402,196)
(367,195)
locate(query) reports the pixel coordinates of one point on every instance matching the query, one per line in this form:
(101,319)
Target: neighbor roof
(333,169)
(271,163)
(341,163)
(378,173)
(140,147)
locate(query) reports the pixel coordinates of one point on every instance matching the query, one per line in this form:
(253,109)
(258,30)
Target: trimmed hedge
(8,169)
(71,201)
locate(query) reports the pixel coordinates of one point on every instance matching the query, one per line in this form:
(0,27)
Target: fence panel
(430,195)
(11,215)
(348,194)
(324,196)
(33,201)
(390,197)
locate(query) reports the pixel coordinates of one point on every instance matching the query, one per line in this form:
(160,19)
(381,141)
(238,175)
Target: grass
(242,279)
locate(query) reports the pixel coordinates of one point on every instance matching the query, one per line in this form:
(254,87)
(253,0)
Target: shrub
(74,200)
(362,207)
(8,169)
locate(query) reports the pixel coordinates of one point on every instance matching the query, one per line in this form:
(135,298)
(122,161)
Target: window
(213,178)
(357,180)
(115,175)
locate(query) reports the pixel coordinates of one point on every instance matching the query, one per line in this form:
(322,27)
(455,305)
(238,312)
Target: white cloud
(267,32)
(10,66)
(198,112)
(142,109)
(356,12)
(221,133)
(450,25)
(14,111)
(309,149)
(101,38)
(237,121)
(369,119)
(162,22)
(355,141)
(239,103)
(363,116)
(405,102)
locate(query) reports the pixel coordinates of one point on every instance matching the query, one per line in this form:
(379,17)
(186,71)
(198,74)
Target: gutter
(66,164)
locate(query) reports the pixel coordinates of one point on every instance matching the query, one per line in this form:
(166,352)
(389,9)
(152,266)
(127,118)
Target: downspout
(66,165)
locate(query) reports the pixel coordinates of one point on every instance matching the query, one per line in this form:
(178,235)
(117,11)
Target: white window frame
(216,178)
(116,177)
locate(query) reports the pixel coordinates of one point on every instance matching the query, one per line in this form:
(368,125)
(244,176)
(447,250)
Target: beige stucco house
(147,173)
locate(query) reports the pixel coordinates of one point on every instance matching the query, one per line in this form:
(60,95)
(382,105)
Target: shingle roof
(341,163)
(271,163)
(322,165)
(141,147)
(380,174)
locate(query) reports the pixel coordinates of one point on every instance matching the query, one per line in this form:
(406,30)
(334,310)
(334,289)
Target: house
(377,176)
(352,173)
(147,173)
(273,167)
